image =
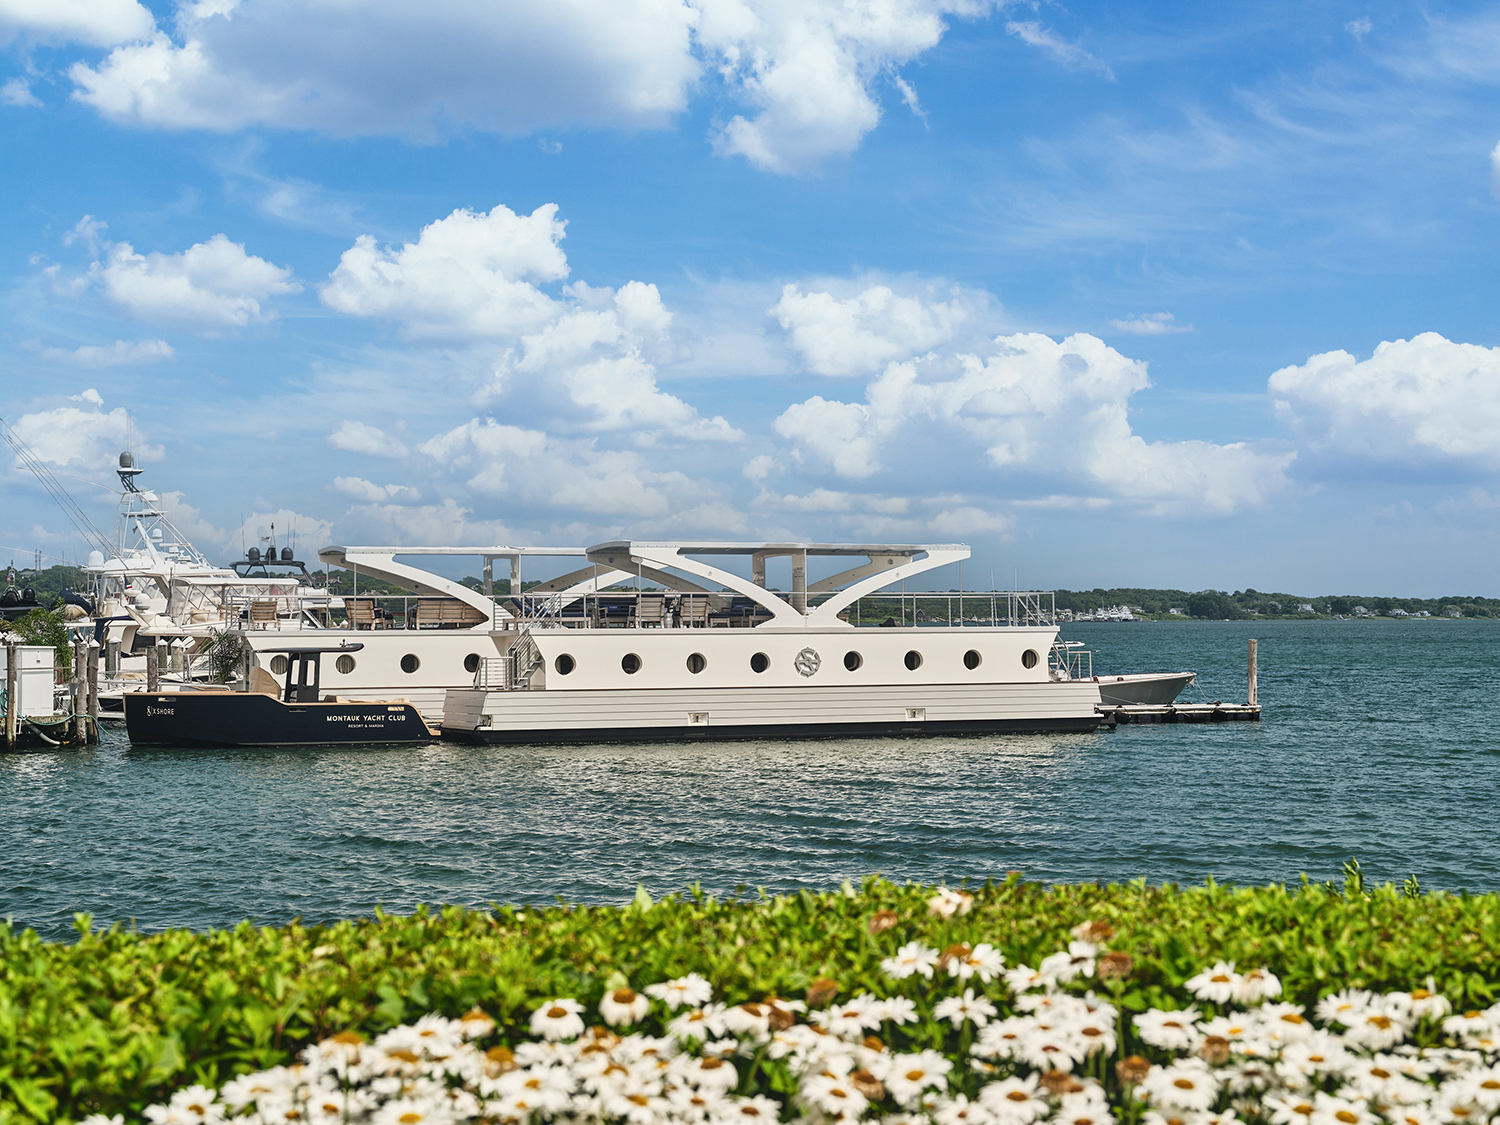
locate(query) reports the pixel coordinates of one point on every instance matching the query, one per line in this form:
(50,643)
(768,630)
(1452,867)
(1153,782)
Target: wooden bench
(447,613)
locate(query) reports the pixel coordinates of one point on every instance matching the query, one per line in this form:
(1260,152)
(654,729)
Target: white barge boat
(714,655)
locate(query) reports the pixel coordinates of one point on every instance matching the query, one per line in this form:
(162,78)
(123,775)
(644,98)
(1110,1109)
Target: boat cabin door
(300,667)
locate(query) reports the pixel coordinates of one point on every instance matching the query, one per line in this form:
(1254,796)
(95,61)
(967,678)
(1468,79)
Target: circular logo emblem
(807,662)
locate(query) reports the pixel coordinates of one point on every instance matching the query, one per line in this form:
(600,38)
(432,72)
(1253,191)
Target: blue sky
(1167,294)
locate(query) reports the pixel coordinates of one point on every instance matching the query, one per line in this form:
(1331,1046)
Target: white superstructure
(713,654)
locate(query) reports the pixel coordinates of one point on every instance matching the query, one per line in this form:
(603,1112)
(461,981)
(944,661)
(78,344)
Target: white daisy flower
(756,1109)
(623,1007)
(1255,986)
(1186,1084)
(691,989)
(1023,978)
(909,1075)
(1377,1028)
(699,1023)
(894,1009)
(558,1019)
(1014,1101)
(959,1110)
(1330,1110)
(1320,1053)
(1003,1040)
(1217,984)
(968,1007)
(1289,1109)
(946,903)
(1173,1031)
(913,957)
(1088,1107)
(1344,1007)
(983,961)
(832,1094)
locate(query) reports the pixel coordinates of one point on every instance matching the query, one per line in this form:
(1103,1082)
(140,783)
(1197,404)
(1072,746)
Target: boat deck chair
(262,613)
(363,614)
(649,610)
(695,610)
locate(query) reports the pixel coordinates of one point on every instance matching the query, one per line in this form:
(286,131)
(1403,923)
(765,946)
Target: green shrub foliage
(117,1020)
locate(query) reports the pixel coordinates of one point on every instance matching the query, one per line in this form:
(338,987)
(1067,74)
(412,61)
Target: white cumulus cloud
(1057,410)
(1423,399)
(120,353)
(97,23)
(1495,171)
(368,490)
(530,466)
(210,285)
(805,72)
(84,438)
(470,275)
(17,92)
(808,69)
(361,437)
(590,354)
(387,67)
(860,334)
(1152,324)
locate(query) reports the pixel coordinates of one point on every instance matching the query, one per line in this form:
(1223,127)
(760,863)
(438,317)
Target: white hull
(715,713)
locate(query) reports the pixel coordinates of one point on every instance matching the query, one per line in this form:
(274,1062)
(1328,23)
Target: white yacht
(712,654)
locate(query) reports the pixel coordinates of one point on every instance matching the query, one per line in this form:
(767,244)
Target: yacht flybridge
(711,653)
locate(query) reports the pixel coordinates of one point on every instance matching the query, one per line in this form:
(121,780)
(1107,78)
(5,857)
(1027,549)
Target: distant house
(1455,613)
(1399,612)
(1178,612)
(1361,611)
(1421,613)
(1306,607)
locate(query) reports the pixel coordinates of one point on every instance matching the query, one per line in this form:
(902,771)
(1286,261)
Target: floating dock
(1181,713)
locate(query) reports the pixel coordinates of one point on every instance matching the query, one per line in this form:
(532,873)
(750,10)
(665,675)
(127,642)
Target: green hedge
(117,1020)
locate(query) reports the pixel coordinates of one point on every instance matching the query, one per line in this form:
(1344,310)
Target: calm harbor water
(1378,742)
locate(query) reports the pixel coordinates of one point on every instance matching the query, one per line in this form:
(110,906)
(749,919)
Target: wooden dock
(1181,713)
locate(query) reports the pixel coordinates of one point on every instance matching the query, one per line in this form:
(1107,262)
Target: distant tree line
(1220,605)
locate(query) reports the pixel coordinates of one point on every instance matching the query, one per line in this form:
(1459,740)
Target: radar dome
(127,460)
(96,558)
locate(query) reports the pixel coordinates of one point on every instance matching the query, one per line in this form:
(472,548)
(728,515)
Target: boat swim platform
(1179,713)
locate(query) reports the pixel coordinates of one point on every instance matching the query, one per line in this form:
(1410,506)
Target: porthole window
(471,662)
(913,660)
(564,664)
(278,665)
(1029,658)
(972,660)
(697,662)
(853,661)
(345,664)
(759,662)
(631,663)
(410,663)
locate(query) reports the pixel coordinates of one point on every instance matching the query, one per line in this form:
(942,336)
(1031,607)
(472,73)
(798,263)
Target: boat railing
(954,609)
(673,609)
(1069,660)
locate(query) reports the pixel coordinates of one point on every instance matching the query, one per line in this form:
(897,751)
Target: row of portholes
(409,664)
(630,663)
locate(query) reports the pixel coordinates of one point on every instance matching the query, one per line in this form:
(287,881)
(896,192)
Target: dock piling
(12,694)
(1253,693)
(93,682)
(153,669)
(80,693)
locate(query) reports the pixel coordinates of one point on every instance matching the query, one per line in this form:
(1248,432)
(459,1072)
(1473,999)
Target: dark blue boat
(298,717)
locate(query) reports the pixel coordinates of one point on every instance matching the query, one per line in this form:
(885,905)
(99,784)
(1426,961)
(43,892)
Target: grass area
(117,1020)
